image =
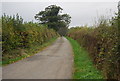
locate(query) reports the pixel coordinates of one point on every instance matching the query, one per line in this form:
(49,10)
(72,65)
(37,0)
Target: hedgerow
(18,36)
(102,44)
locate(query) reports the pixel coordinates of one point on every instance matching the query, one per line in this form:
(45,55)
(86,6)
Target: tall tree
(53,18)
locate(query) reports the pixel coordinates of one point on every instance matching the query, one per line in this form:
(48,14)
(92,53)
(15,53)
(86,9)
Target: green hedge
(17,35)
(102,45)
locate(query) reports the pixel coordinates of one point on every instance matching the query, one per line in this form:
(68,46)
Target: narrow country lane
(54,62)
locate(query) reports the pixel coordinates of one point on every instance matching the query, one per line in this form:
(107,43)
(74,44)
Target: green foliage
(102,44)
(52,18)
(18,36)
(83,66)
(27,52)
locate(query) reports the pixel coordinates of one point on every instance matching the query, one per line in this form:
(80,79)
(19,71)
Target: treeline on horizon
(17,36)
(102,43)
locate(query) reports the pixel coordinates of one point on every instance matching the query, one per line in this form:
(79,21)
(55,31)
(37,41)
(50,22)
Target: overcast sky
(82,13)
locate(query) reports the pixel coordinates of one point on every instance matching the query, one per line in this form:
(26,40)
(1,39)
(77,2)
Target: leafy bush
(102,44)
(17,36)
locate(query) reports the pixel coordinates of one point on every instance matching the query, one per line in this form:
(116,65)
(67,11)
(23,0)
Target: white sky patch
(0,9)
(59,0)
(82,13)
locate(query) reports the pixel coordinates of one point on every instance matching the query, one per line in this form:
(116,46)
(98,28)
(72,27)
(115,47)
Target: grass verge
(83,66)
(28,52)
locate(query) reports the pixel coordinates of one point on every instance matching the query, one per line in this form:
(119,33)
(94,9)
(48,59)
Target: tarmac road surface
(54,62)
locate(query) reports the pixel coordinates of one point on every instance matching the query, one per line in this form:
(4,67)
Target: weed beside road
(28,52)
(83,66)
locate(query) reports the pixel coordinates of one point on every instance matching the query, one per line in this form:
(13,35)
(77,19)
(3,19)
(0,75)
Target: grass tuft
(83,66)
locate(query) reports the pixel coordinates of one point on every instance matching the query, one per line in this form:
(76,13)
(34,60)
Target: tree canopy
(53,17)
